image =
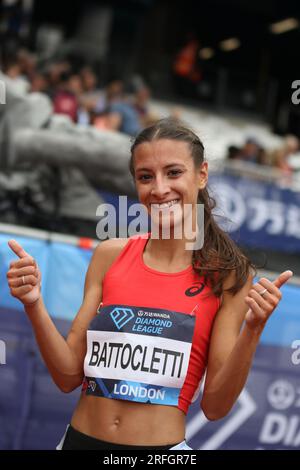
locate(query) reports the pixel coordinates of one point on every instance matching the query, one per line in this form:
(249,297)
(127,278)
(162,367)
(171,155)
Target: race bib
(138,354)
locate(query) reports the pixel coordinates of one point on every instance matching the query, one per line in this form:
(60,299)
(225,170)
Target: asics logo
(194,290)
(121,316)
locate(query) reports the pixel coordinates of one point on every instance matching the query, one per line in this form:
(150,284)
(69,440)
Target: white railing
(259,173)
(92,243)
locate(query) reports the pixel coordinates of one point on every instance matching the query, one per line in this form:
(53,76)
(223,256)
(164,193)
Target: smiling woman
(168,187)
(156,315)
(168,165)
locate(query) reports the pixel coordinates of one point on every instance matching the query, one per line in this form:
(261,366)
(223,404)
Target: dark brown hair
(219,255)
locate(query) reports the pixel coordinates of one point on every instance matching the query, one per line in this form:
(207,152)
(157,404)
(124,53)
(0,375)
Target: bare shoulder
(111,246)
(107,251)
(103,256)
(228,298)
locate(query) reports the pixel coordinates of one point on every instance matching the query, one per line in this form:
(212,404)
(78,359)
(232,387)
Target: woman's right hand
(24,276)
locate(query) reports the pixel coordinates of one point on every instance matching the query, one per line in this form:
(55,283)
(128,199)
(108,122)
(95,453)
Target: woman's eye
(170,173)
(175,172)
(144,177)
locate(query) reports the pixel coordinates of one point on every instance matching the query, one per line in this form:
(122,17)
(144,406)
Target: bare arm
(232,349)
(63,357)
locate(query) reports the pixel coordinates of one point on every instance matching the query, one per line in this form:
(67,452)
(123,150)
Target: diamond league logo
(121,316)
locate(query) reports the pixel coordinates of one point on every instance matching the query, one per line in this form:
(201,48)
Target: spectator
(92,98)
(65,100)
(13,71)
(250,152)
(280,158)
(233,153)
(27,62)
(186,69)
(140,103)
(89,79)
(122,114)
(39,83)
(55,73)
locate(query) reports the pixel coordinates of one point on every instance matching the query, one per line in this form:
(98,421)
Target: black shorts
(75,440)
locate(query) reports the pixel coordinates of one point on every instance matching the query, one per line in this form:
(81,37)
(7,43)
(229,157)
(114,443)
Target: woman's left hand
(262,300)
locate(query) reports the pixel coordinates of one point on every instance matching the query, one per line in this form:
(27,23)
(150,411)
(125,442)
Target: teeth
(165,204)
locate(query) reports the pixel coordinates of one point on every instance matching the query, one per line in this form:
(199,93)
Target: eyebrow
(165,167)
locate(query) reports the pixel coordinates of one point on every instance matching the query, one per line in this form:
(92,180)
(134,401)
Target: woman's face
(166,179)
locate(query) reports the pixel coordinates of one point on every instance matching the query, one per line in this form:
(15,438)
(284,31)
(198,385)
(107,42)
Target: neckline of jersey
(145,240)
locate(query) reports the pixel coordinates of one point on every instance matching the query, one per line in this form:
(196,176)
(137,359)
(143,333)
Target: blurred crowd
(118,106)
(75,92)
(281,158)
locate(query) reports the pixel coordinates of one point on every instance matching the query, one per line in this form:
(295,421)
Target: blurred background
(78,80)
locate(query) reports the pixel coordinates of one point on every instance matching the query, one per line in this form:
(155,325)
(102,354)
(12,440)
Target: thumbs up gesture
(24,276)
(263,298)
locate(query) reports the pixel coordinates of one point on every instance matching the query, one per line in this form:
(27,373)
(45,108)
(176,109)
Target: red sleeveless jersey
(152,332)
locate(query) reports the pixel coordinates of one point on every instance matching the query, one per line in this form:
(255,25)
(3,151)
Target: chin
(169,226)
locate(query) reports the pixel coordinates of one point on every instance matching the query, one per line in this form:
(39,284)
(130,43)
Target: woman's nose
(160,188)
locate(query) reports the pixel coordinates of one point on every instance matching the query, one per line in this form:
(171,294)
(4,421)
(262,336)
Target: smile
(165,205)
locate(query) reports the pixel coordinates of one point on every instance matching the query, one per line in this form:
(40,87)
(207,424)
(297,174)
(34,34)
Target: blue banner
(63,269)
(261,215)
(266,415)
